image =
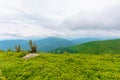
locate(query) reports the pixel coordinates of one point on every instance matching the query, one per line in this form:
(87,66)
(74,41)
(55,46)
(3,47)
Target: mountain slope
(51,43)
(108,46)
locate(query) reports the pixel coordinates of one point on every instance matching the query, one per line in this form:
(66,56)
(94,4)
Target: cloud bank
(61,18)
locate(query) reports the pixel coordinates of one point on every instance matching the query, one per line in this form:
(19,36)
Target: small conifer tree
(33,47)
(18,48)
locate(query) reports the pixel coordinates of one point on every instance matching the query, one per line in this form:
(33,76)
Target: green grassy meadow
(60,67)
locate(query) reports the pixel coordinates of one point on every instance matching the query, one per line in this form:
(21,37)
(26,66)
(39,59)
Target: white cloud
(65,18)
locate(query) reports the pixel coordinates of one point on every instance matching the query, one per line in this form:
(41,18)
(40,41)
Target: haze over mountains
(46,44)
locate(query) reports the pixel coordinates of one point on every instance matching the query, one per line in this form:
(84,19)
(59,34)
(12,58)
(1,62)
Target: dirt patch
(31,55)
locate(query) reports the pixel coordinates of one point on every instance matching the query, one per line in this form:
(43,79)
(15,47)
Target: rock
(31,55)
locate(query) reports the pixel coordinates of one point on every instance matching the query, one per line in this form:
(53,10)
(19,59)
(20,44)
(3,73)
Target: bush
(9,50)
(22,54)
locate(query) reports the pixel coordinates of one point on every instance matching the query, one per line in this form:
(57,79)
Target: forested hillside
(97,47)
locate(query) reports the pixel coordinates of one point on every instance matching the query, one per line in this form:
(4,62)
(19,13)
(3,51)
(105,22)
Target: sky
(60,18)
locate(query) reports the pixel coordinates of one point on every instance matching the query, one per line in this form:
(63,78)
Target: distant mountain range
(51,43)
(95,47)
(84,40)
(10,44)
(46,44)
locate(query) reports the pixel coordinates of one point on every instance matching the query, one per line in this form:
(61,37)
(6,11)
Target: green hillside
(60,67)
(108,46)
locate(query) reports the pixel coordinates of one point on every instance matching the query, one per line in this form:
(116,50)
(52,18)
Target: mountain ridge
(96,47)
(45,45)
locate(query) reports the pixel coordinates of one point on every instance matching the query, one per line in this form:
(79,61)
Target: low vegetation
(59,66)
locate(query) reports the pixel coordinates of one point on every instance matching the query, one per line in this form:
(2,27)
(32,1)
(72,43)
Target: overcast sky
(61,18)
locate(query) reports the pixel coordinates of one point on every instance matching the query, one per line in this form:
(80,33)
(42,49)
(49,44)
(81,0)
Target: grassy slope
(60,67)
(108,46)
